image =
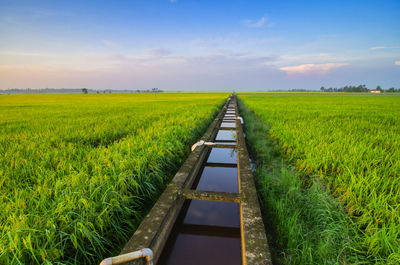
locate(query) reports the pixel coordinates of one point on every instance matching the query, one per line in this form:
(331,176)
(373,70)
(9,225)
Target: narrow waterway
(209,214)
(208,232)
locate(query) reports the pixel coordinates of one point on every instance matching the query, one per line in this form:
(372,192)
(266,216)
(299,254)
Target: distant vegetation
(343,146)
(76,91)
(360,88)
(78,172)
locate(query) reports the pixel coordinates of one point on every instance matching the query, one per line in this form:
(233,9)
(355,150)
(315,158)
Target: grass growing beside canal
(350,144)
(78,172)
(305,225)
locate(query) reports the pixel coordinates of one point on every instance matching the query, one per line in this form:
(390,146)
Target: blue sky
(199,45)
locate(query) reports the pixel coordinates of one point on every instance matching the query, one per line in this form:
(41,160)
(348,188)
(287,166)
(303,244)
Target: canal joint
(211,195)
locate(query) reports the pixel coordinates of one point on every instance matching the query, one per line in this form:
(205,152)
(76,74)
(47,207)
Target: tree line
(360,88)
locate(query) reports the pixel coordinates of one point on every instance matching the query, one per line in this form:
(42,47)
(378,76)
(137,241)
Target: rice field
(351,144)
(78,172)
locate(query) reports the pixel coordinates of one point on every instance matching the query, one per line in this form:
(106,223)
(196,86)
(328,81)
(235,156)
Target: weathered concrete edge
(254,239)
(211,195)
(154,230)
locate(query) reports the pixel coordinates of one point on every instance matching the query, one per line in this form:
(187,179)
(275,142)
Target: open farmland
(351,144)
(79,171)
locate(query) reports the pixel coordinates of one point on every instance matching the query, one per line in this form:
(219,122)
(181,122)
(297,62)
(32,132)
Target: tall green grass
(305,225)
(78,172)
(347,146)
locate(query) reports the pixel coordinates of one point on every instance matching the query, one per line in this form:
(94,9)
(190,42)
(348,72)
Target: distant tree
(391,90)
(322,89)
(84,90)
(364,87)
(379,88)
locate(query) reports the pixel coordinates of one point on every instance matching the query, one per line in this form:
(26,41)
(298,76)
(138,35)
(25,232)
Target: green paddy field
(328,174)
(79,172)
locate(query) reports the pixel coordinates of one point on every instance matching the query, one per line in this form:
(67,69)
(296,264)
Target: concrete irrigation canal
(209,213)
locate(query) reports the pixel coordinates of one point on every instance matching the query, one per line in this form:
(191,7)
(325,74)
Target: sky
(199,45)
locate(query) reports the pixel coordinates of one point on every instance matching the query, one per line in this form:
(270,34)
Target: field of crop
(351,144)
(78,172)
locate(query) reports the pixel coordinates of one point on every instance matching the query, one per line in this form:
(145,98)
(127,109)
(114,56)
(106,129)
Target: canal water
(208,232)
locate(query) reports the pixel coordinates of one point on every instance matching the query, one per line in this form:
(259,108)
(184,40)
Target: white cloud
(397,62)
(309,69)
(159,57)
(173,1)
(257,24)
(384,47)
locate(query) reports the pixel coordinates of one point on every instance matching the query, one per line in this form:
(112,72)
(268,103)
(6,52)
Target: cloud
(397,62)
(173,1)
(384,47)
(310,69)
(213,70)
(110,43)
(257,24)
(159,57)
(229,61)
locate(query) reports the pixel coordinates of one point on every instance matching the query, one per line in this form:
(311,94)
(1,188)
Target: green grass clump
(78,172)
(342,145)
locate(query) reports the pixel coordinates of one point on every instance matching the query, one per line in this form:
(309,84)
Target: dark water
(212,213)
(208,232)
(225,143)
(219,179)
(223,155)
(205,233)
(190,248)
(226,135)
